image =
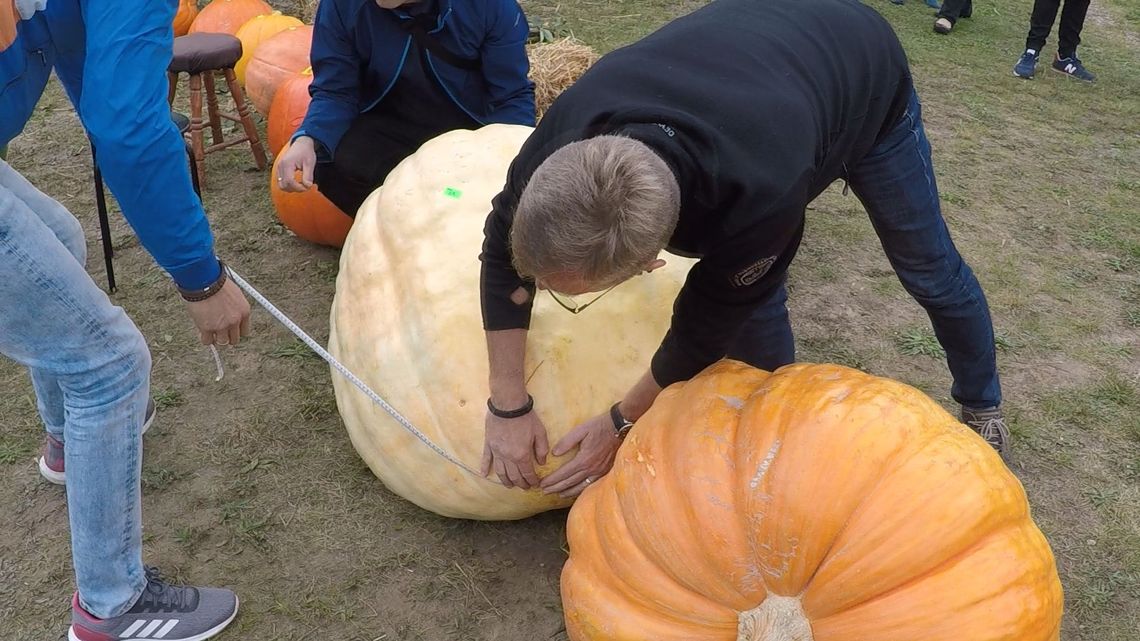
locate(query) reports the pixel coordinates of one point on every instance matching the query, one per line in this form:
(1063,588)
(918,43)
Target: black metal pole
(104,222)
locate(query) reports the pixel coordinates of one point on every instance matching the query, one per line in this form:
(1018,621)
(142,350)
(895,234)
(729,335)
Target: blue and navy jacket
(111,57)
(360,48)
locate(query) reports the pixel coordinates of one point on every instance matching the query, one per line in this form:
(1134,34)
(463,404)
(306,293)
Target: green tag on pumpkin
(452,192)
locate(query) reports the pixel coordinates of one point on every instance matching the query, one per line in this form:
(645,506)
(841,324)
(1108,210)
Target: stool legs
(212,106)
(196,137)
(246,119)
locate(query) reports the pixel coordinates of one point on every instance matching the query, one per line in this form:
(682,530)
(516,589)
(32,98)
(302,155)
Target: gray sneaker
(990,425)
(164,611)
(51,456)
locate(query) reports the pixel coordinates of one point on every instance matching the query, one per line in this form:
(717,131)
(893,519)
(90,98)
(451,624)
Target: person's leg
(952,9)
(370,149)
(1069,36)
(896,184)
(766,339)
(49,396)
(949,14)
(83,350)
(1072,22)
(1041,23)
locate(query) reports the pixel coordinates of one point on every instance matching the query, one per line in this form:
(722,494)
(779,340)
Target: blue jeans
(895,182)
(90,368)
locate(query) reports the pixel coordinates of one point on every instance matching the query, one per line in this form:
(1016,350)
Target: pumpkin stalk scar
(765,464)
(778,618)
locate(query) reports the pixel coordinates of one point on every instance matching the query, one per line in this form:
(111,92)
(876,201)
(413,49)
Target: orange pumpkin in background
(187,12)
(814,503)
(257,30)
(227,16)
(278,58)
(288,109)
(309,214)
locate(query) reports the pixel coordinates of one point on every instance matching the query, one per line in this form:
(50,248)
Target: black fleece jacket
(757,106)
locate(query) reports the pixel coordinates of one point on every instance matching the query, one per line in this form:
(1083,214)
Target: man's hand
(511,447)
(597,444)
(301,157)
(223,318)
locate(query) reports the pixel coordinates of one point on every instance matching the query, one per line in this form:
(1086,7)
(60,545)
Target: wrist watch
(621,423)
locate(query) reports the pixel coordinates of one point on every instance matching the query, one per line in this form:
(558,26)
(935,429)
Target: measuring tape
(338,366)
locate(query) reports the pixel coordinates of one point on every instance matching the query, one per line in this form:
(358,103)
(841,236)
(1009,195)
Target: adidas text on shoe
(1026,65)
(1073,68)
(164,612)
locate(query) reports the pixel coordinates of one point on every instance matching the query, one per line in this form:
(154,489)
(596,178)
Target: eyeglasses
(570,304)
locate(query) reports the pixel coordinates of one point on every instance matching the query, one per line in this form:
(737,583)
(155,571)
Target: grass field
(252,482)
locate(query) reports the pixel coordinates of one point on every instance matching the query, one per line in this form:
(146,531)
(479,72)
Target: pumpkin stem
(778,618)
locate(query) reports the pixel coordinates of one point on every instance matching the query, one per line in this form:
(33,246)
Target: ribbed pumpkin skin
(290,103)
(406,319)
(257,30)
(859,495)
(227,16)
(309,214)
(278,58)
(187,12)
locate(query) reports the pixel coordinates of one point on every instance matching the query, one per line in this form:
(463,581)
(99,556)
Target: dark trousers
(1072,21)
(895,183)
(954,9)
(375,143)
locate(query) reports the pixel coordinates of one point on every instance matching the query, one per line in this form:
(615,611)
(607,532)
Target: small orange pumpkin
(278,58)
(227,16)
(815,503)
(257,30)
(309,214)
(187,12)
(288,109)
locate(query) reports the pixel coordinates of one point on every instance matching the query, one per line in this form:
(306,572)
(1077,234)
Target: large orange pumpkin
(288,109)
(8,20)
(278,58)
(227,16)
(257,30)
(817,503)
(309,214)
(187,12)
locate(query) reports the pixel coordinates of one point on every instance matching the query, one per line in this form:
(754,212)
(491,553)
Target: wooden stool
(201,55)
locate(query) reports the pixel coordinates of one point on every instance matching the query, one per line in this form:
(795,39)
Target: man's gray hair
(600,209)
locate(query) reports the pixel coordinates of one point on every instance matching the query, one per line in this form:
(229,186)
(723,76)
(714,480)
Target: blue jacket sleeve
(335,89)
(121,100)
(505,65)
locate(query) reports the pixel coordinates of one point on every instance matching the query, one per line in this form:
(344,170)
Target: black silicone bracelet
(522,411)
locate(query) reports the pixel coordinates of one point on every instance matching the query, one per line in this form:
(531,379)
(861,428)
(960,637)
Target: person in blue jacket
(89,365)
(389,75)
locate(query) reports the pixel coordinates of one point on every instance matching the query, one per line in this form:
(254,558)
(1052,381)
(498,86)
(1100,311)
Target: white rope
(331,360)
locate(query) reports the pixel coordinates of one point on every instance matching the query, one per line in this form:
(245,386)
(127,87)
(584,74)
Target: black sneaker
(1073,68)
(164,611)
(990,425)
(1027,64)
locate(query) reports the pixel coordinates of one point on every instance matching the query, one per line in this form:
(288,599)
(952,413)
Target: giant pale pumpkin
(278,58)
(817,503)
(187,12)
(227,16)
(406,319)
(257,30)
(290,103)
(308,213)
